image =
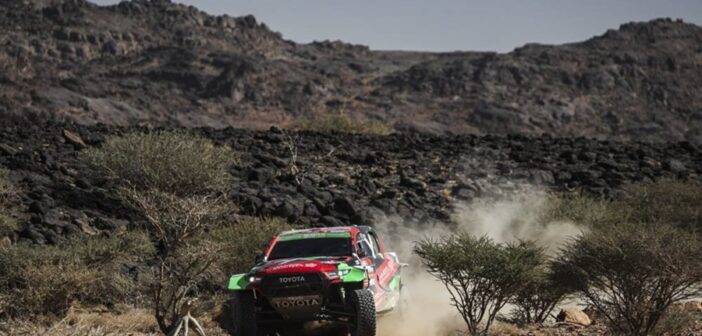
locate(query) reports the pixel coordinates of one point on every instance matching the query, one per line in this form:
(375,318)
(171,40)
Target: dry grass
(37,280)
(97,321)
(124,320)
(506,329)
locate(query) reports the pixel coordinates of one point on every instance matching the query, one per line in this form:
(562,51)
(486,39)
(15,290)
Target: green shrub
(342,123)
(480,275)
(173,162)
(632,273)
(675,321)
(241,242)
(583,210)
(538,297)
(665,202)
(47,279)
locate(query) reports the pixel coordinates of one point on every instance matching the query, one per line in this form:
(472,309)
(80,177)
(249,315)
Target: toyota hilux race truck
(341,275)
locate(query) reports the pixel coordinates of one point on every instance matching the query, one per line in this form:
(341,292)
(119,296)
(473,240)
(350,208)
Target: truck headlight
(337,274)
(255,279)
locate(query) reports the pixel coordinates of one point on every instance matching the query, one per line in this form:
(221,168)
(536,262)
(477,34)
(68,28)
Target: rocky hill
(337,179)
(158,63)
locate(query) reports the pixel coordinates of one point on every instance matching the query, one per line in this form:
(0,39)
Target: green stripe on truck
(314,235)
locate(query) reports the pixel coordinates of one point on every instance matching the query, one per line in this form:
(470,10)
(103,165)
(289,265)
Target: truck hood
(299,265)
(335,269)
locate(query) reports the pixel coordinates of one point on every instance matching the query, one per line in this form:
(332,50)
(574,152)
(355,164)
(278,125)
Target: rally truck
(341,276)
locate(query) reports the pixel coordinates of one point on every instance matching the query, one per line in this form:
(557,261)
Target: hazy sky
(447,25)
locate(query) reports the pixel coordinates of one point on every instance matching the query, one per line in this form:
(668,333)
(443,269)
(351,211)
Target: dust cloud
(516,217)
(427,310)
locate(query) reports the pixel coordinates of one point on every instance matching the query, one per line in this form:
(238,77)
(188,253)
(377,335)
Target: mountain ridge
(166,64)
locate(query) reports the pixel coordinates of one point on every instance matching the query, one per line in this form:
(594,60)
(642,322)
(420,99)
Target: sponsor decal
(291,279)
(296,302)
(293,264)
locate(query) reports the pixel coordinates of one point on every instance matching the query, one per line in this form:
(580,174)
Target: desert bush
(581,209)
(241,242)
(480,275)
(538,297)
(175,162)
(344,123)
(87,321)
(632,273)
(675,322)
(47,279)
(665,202)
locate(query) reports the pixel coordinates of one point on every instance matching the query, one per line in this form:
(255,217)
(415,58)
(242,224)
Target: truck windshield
(312,247)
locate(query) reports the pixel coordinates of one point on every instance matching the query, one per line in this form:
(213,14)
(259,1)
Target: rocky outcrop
(620,84)
(337,178)
(165,64)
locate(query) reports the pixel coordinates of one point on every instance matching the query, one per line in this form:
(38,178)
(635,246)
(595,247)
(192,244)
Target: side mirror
(259,259)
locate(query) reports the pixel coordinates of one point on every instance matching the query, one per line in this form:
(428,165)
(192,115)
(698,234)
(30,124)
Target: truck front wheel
(244,315)
(363,304)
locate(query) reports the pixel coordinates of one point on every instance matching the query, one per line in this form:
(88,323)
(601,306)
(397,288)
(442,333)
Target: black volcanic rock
(165,64)
(63,199)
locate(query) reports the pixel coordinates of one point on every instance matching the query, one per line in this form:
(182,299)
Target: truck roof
(330,232)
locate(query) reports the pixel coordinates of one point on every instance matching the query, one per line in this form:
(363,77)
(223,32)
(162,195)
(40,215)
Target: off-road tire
(363,304)
(243,314)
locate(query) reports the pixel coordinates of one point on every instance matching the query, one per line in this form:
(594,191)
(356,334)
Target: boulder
(7,149)
(676,166)
(594,315)
(74,139)
(573,316)
(5,242)
(345,206)
(693,306)
(412,183)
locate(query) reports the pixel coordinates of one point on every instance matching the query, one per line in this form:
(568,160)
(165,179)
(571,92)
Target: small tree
(183,261)
(480,275)
(172,219)
(632,273)
(537,299)
(177,181)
